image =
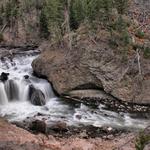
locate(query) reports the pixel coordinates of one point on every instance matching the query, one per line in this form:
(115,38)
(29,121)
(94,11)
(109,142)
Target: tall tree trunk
(68,24)
(139,64)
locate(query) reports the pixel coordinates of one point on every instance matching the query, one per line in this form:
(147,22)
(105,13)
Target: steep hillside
(112,55)
(19,22)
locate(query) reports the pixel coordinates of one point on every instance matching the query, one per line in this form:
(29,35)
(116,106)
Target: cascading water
(16,104)
(17,87)
(3,95)
(12,90)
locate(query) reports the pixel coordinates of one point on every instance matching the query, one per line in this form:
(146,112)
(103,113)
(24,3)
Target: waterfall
(20,90)
(24,94)
(20,80)
(3,95)
(45,87)
(12,90)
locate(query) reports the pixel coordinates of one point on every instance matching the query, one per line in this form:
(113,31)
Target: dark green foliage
(8,9)
(1,37)
(125,37)
(52,14)
(141,141)
(147,52)
(119,33)
(91,10)
(11,11)
(119,25)
(54,11)
(43,25)
(121,6)
(1,14)
(140,34)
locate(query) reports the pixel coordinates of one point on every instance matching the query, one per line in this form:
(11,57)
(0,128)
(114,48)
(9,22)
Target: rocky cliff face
(93,63)
(96,66)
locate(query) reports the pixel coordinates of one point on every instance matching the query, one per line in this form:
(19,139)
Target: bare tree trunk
(3,28)
(68,24)
(139,64)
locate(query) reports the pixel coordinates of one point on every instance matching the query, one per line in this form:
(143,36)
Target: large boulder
(4,76)
(92,65)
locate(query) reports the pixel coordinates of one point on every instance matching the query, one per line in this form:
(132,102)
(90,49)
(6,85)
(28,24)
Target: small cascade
(3,95)
(17,86)
(45,87)
(12,90)
(25,90)
(24,94)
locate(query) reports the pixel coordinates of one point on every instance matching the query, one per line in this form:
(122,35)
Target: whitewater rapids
(15,105)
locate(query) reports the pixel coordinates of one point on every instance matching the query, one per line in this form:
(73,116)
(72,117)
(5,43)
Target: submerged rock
(38,98)
(26,77)
(41,126)
(38,126)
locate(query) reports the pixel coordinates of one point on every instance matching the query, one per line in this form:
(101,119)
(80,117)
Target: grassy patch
(147,52)
(142,141)
(140,34)
(1,37)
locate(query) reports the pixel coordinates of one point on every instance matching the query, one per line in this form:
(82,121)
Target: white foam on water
(3,96)
(54,109)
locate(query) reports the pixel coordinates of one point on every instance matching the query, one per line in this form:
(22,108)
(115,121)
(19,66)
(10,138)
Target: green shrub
(125,37)
(147,52)
(44,32)
(121,6)
(141,141)
(1,37)
(140,34)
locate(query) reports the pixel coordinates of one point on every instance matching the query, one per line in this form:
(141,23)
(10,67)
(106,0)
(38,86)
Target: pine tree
(121,5)
(44,25)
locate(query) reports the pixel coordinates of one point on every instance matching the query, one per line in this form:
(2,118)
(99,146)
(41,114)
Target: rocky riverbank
(16,138)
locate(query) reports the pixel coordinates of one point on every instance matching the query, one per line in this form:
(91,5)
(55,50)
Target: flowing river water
(15,105)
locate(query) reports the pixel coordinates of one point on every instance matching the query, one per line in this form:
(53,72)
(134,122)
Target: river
(15,105)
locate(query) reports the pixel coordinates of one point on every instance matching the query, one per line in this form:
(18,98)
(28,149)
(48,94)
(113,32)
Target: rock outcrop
(95,66)
(4,76)
(94,63)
